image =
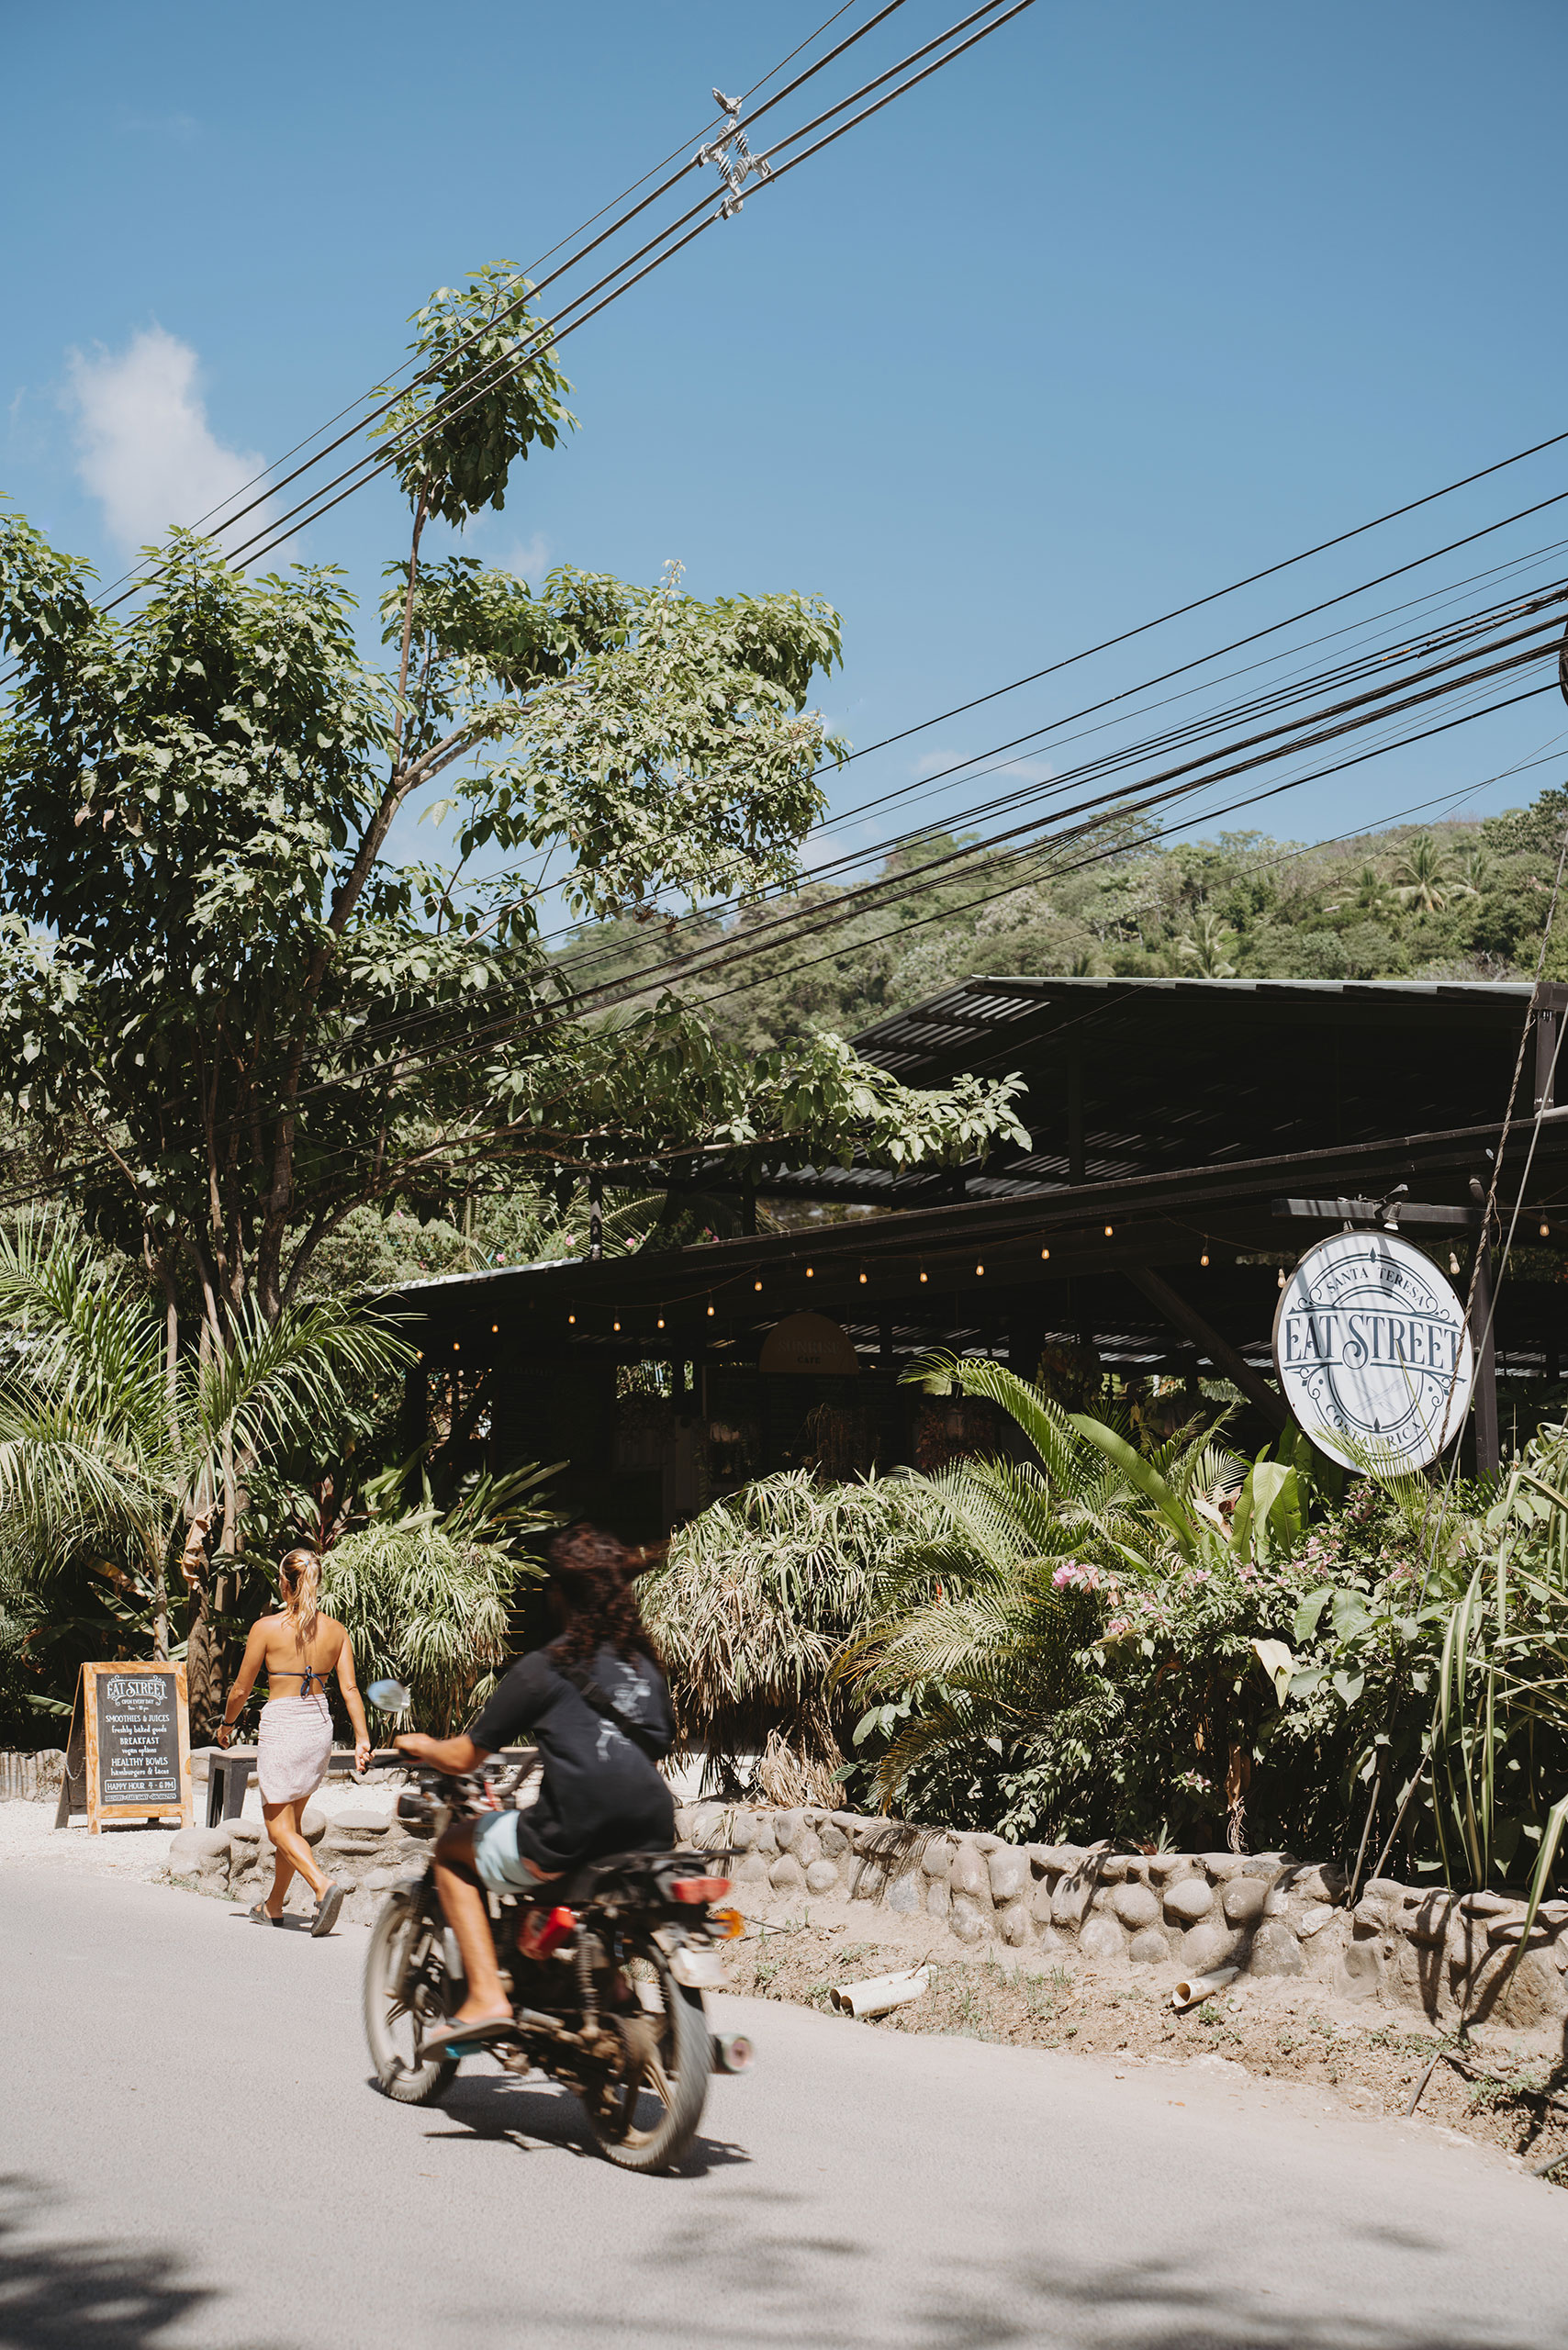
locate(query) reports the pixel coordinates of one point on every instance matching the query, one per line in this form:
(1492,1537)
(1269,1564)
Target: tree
(1205,946)
(111,1468)
(1426,876)
(246,1021)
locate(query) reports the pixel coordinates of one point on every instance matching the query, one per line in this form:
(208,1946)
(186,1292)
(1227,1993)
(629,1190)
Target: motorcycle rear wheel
(405,1942)
(646,2119)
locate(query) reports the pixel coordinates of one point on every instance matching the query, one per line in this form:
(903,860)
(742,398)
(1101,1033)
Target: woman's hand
(361,1755)
(224,1732)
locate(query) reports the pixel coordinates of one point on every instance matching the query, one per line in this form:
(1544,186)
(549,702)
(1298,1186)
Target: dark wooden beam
(1220,1353)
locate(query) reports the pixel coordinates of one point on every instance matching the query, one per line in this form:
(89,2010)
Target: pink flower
(1071,1576)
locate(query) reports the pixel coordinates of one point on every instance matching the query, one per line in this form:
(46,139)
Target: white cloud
(146,451)
(530,561)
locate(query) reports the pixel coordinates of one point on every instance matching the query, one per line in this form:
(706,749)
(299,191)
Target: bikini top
(304,1679)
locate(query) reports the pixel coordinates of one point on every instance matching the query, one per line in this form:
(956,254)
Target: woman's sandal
(327,1911)
(262,1915)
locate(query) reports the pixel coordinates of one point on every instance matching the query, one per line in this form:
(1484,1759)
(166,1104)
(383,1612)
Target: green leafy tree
(221,996)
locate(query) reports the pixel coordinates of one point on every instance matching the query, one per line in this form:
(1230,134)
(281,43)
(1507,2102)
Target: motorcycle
(607,1997)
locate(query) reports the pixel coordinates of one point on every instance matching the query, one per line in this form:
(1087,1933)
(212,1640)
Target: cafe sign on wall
(1371,1352)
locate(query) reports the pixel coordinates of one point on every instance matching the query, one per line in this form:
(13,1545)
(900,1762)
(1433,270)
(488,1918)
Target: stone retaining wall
(359,1848)
(1266,1913)
(1444,1953)
(31,1778)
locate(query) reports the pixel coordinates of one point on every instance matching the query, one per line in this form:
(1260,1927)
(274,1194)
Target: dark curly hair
(592,1571)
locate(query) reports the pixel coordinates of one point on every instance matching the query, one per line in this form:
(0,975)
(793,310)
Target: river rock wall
(1446,1954)
(358,1848)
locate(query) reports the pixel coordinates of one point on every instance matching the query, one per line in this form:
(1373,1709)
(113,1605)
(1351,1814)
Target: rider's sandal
(457,2038)
(262,1915)
(327,1911)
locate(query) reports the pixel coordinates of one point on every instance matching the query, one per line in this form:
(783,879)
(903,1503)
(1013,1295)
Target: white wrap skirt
(292,1748)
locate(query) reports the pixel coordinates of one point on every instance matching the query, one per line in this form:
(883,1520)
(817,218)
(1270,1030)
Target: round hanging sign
(1372,1352)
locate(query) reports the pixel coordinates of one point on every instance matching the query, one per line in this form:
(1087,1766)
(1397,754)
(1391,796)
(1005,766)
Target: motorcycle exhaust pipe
(732,2053)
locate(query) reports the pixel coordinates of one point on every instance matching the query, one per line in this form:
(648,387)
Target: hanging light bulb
(1203,1260)
(810,1274)
(863,1280)
(661,1320)
(710,1309)
(1545,1229)
(1044,1255)
(1453,1263)
(757,1285)
(979,1268)
(1281,1279)
(1107,1232)
(923,1274)
(571,1317)
(456,1348)
(615,1325)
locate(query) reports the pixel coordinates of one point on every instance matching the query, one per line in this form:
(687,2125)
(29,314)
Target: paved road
(193,2158)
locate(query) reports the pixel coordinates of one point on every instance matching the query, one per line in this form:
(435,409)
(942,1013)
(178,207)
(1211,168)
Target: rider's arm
(245,1679)
(453,1755)
(349,1688)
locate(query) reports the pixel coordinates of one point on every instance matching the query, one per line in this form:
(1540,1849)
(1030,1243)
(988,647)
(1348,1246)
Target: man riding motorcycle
(596,1703)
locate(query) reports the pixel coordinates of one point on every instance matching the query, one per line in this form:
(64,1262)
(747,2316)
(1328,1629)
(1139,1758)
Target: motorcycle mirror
(390,1696)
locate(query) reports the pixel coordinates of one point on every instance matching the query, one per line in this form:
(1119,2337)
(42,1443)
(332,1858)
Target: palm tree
(1205,945)
(1373,894)
(112,1461)
(1426,876)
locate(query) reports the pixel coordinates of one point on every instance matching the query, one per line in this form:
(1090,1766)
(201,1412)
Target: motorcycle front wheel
(644,2116)
(405,1988)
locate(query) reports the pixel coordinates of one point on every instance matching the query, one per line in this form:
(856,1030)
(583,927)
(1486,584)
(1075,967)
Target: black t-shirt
(600,1792)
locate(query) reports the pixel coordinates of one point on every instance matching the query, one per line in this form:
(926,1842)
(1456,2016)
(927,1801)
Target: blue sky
(1132,300)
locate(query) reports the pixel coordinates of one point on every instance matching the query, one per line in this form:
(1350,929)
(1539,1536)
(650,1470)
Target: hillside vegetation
(1458,900)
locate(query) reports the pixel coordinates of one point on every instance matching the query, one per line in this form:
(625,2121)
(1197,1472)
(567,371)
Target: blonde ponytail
(299,1574)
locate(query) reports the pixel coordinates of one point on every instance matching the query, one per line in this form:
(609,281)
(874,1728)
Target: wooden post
(1488,1453)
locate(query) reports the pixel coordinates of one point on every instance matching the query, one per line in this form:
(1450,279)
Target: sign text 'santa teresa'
(1372,1352)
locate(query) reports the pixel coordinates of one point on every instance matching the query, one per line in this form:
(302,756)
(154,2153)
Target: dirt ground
(1494,2089)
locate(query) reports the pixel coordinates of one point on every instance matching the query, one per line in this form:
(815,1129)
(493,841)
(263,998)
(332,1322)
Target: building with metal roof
(1143,1234)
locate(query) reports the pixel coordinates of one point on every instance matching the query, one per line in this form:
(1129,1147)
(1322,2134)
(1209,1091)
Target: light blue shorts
(495,1857)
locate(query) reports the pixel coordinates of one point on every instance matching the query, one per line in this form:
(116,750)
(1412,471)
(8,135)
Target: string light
(455,1348)
(661,1320)
(571,1317)
(710,1309)
(810,1274)
(863,1280)
(1203,1260)
(1044,1255)
(923,1274)
(495,1329)
(1107,1232)
(615,1325)
(757,1285)
(979,1268)
(1546,1232)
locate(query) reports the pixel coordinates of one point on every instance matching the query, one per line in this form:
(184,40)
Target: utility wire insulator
(735,159)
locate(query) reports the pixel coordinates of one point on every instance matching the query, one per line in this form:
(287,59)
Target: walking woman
(300,1647)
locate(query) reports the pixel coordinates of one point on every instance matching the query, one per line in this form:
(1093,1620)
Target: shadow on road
(798,2284)
(490,2107)
(82,2294)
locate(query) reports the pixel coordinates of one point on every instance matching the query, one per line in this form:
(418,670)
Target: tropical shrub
(754,1601)
(428,1596)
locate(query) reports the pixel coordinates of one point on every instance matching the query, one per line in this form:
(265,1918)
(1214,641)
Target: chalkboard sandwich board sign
(128,1756)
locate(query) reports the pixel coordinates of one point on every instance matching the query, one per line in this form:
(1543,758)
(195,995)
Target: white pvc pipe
(881,1993)
(1203,1986)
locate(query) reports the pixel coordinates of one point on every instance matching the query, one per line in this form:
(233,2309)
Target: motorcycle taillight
(698,1888)
(544,1931)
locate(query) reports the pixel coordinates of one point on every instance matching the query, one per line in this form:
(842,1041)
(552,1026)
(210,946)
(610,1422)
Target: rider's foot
(464,2030)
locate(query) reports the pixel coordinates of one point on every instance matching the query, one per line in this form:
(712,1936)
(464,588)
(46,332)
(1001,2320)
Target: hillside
(1449,901)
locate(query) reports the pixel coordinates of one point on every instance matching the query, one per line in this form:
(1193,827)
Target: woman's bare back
(287,1668)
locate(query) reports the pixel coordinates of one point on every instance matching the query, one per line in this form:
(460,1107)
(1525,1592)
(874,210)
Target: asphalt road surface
(192,2155)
